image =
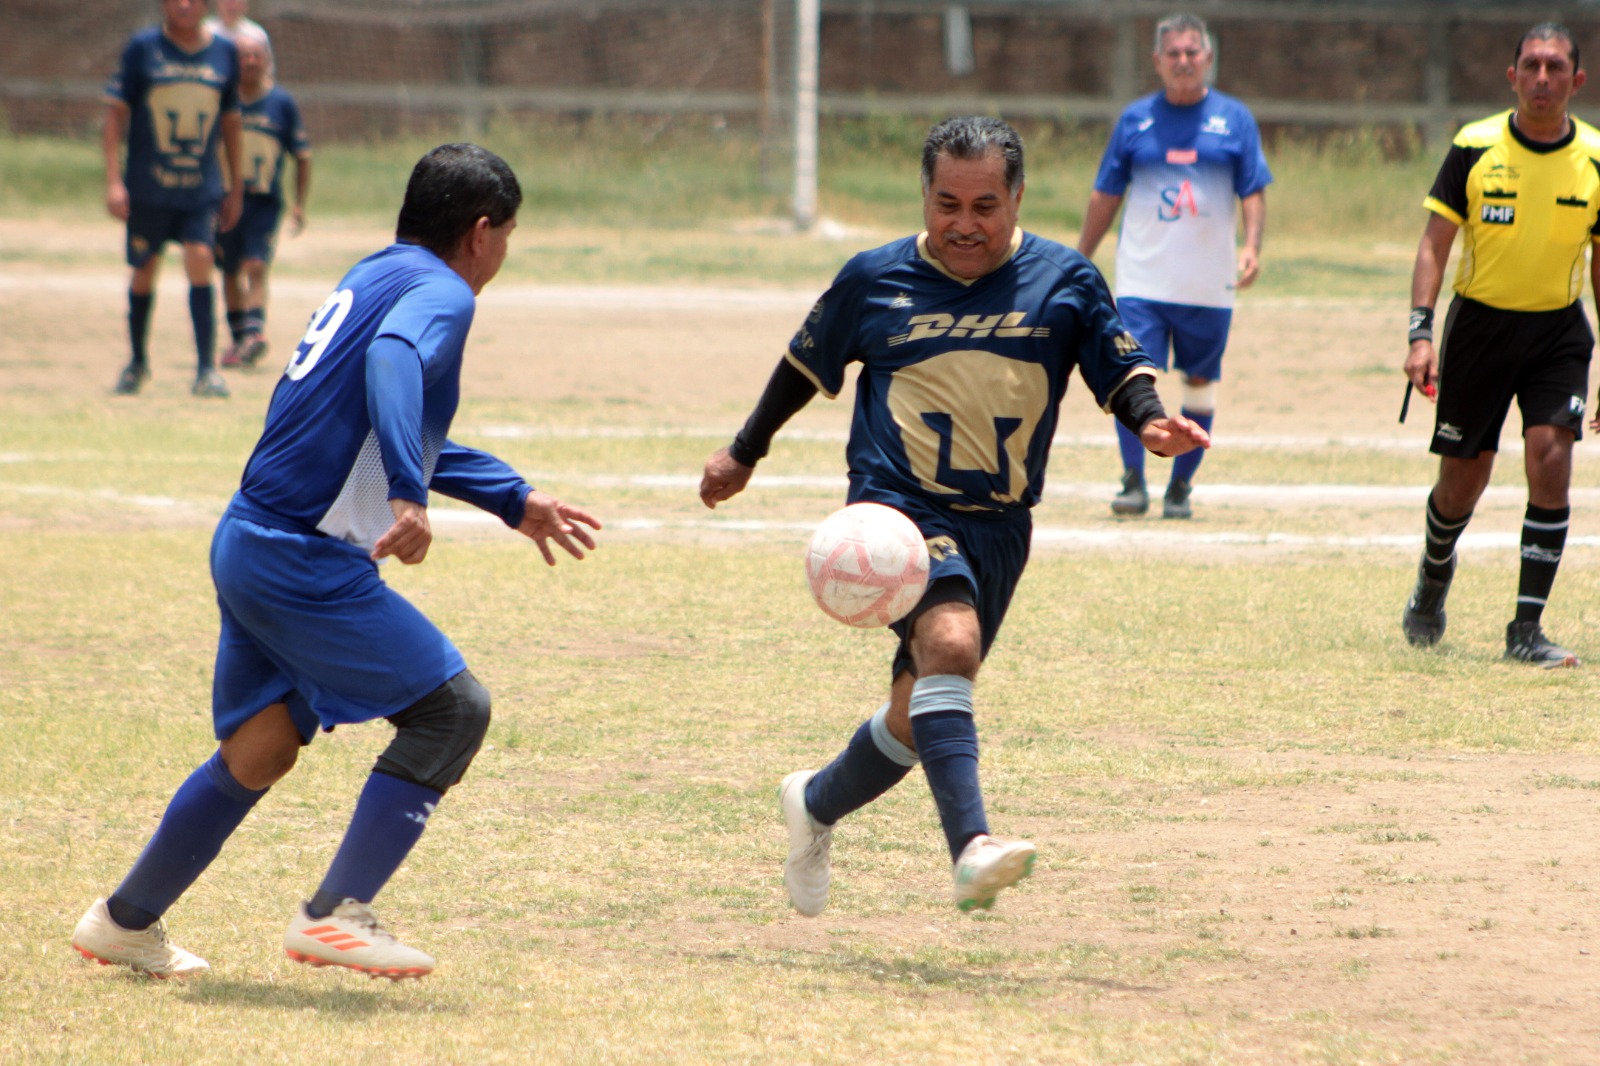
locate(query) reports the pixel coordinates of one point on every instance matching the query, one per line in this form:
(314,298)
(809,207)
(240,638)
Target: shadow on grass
(915,973)
(373,997)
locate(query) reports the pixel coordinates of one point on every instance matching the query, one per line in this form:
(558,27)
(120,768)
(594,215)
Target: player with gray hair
(1188,160)
(312,637)
(967,335)
(273,133)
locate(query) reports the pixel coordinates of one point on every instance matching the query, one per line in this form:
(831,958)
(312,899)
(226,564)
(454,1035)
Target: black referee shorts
(1489,356)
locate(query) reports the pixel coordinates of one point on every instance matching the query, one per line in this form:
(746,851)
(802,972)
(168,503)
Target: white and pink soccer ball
(867,565)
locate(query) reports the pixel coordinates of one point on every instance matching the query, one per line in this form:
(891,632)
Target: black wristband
(1421,328)
(742,453)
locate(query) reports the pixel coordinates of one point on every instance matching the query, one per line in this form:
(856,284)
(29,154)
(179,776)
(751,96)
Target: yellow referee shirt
(1527,211)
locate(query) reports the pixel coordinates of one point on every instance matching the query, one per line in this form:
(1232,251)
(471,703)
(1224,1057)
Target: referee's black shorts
(1488,356)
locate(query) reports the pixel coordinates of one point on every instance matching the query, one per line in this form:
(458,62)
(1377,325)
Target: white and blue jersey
(1182,169)
(346,433)
(272,133)
(961,381)
(175,100)
(360,416)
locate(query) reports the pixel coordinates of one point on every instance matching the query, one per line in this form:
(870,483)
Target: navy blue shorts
(1194,336)
(150,228)
(254,236)
(306,620)
(973,560)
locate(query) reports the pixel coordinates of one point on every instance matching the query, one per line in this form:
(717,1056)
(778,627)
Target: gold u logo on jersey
(925,327)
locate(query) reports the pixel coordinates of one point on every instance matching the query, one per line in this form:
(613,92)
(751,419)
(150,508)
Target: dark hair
(1548,31)
(973,137)
(450,189)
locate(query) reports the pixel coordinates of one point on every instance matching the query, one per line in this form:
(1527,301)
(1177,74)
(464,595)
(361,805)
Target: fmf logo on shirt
(1499,214)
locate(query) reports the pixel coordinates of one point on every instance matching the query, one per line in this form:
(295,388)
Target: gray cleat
(1134,499)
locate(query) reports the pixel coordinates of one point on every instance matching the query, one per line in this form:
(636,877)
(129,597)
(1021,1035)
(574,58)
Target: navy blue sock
(139,306)
(236,324)
(857,776)
(203,312)
(256,320)
(1185,465)
(1131,447)
(947,743)
(204,812)
(389,819)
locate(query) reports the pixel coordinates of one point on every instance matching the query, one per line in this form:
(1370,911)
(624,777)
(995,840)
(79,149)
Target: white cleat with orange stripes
(351,937)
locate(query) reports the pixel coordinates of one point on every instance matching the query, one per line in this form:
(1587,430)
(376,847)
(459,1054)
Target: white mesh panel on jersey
(360,513)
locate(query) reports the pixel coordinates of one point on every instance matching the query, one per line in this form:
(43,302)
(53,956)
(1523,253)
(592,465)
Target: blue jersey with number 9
(347,431)
(961,381)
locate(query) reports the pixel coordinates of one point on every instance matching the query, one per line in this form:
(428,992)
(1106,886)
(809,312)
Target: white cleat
(986,866)
(351,937)
(145,951)
(808,870)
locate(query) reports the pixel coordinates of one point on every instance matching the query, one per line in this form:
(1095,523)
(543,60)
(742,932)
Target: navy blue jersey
(272,133)
(175,100)
(961,381)
(362,413)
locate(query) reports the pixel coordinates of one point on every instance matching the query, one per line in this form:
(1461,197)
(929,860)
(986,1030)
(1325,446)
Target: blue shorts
(1195,336)
(253,237)
(306,620)
(975,560)
(150,228)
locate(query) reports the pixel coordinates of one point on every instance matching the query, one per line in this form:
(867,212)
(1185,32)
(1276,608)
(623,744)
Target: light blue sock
(870,765)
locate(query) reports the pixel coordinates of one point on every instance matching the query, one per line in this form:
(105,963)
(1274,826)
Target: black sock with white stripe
(1544,535)
(1440,546)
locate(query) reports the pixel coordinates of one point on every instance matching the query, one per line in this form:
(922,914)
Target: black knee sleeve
(437,737)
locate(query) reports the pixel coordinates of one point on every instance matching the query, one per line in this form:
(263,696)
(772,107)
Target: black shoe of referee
(1423,620)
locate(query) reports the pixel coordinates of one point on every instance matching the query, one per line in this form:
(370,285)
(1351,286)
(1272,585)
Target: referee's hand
(1422,368)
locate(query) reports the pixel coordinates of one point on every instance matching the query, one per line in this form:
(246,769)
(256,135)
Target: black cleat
(1176,503)
(132,377)
(1134,498)
(1423,619)
(1526,643)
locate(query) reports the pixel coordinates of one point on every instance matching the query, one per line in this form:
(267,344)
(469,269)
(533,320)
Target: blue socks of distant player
(870,765)
(1439,544)
(203,313)
(947,743)
(139,307)
(236,325)
(1185,465)
(1544,535)
(204,812)
(1131,447)
(389,819)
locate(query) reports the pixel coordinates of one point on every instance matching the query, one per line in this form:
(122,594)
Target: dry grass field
(1269,832)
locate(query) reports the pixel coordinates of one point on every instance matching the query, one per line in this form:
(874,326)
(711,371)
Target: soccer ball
(867,565)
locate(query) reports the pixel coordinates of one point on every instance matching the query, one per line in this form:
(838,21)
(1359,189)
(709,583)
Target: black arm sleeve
(1136,403)
(787,391)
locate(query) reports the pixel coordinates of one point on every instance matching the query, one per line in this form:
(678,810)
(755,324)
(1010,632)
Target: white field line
(1118,535)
